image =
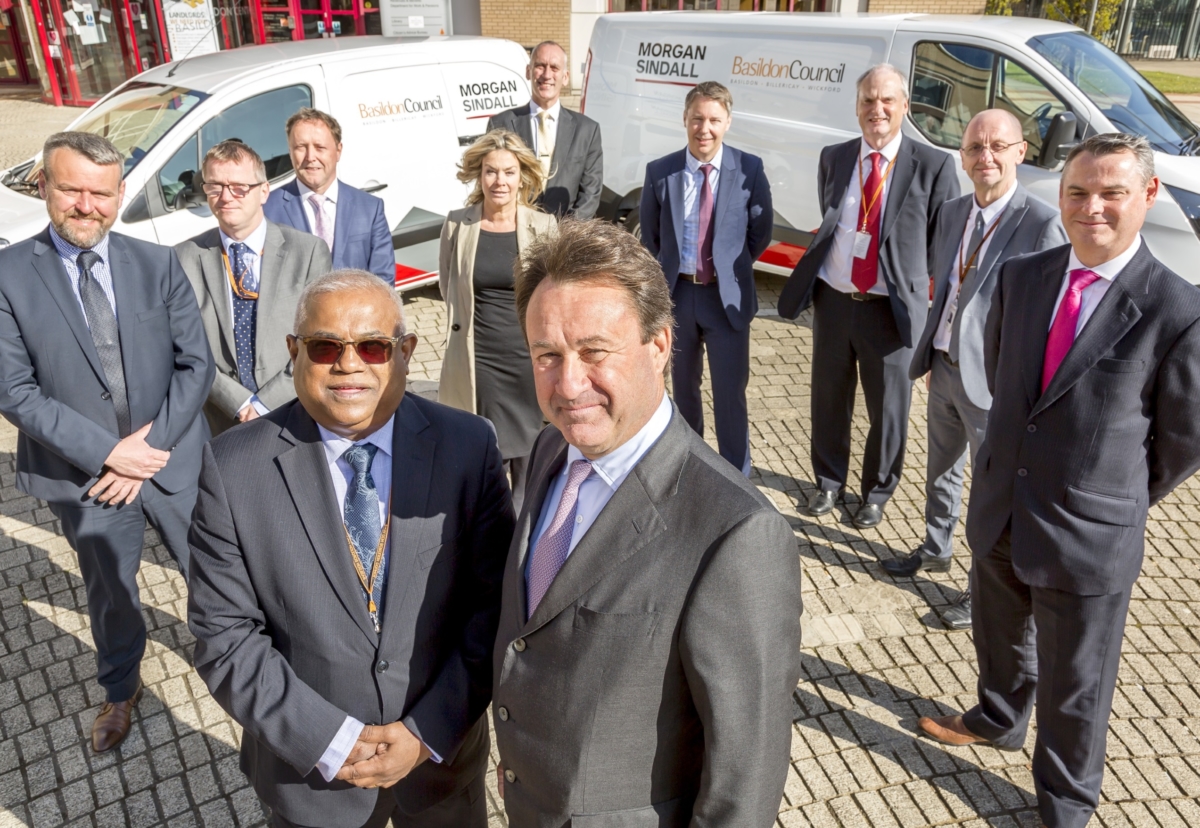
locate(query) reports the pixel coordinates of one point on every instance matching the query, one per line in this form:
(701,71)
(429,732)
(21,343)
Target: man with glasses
(247,273)
(351,633)
(974,236)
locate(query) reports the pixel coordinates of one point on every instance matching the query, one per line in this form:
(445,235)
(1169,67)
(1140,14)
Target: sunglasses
(324,350)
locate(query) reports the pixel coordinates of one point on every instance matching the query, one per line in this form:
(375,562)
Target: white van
(407,109)
(793,82)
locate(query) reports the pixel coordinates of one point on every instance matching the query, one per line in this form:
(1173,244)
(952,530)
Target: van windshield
(1127,99)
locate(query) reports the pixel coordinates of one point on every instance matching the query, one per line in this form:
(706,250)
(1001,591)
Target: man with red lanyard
(866,275)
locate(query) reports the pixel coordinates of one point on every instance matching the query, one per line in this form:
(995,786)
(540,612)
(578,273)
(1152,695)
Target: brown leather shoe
(112,724)
(950,730)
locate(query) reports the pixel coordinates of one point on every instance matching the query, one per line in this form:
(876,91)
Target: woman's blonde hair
(471,168)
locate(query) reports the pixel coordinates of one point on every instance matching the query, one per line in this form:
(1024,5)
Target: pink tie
(1062,332)
(552,547)
(321,228)
(704,262)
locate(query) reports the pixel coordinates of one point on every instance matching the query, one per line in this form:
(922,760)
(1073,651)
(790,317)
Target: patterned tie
(704,262)
(865,271)
(552,547)
(1062,332)
(972,255)
(545,144)
(323,230)
(361,514)
(103,324)
(245,313)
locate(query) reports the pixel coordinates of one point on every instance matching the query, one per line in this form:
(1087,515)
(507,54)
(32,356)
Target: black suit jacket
(53,388)
(283,638)
(1074,470)
(924,178)
(577,166)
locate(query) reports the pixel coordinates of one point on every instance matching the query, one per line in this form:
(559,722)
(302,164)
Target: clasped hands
(131,462)
(382,756)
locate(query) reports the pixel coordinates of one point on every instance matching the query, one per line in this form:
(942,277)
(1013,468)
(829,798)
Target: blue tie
(245,314)
(361,515)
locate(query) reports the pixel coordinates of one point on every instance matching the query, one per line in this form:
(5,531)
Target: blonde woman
(486,368)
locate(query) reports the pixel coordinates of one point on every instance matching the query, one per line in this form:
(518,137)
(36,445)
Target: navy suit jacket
(744,218)
(361,236)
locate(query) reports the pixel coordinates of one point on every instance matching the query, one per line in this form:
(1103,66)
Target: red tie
(865,271)
(704,262)
(1062,331)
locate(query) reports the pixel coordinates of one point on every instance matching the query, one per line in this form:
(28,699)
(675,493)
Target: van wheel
(633,222)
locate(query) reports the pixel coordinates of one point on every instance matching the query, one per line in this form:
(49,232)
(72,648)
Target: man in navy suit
(352,223)
(706,216)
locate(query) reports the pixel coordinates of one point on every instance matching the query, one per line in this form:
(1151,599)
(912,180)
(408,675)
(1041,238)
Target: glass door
(91,58)
(140,18)
(338,18)
(276,21)
(12,61)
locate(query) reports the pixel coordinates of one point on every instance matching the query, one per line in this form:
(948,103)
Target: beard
(81,239)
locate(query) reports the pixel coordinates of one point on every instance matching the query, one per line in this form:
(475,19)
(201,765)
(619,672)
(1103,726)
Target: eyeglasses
(214,190)
(324,350)
(975,150)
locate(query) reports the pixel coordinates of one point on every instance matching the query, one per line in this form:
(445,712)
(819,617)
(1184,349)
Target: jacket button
(106,396)
(503,714)
(510,777)
(455,326)
(381,667)
(1031,428)
(519,645)
(1022,472)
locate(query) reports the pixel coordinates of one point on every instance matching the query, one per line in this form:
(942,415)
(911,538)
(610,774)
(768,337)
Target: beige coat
(456,264)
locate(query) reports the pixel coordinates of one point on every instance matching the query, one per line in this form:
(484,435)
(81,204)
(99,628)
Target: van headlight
(1189,202)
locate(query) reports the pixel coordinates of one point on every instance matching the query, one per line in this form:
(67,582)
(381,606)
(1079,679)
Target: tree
(1076,12)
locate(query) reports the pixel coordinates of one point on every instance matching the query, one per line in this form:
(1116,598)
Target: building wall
(528,22)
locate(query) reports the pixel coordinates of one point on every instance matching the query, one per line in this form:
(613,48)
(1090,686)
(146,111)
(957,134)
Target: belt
(858,296)
(691,277)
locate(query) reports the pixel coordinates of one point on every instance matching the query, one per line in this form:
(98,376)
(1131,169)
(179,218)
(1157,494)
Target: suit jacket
(923,179)
(456,268)
(291,259)
(652,685)
(744,218)
(1075,469)
(283,638)
(53,387)
(576,167)
(362,238)
(1028,225)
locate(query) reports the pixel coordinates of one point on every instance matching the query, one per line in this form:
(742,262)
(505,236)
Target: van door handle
(374,188)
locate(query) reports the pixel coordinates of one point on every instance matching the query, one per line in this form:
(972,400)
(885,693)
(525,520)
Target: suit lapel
(525,227)
(729,181)
(1037,321)
(216,281)
(523,125)
(564,135)
(898,187)
(838,186)
(541,478)
(50,268)
(278,287)
(293,207)
(125,293)
(1009,221)
(675,197)
(468,242)
(305,471)
(953,219)
(342,216)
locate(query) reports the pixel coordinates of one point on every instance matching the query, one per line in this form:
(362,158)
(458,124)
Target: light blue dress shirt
(693,182)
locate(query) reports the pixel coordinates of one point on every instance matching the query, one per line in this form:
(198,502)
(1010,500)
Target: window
(1025,96)
(175,179)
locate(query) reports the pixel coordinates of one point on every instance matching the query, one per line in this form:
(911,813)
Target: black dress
(504,390)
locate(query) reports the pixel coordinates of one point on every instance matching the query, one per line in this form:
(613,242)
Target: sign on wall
(191,27)
(415,18)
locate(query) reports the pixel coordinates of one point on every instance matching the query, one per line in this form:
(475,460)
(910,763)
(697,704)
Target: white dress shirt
(256,241)
(69,254)
(693,182)
(1093,293)
(608,473)
(328,207)
(838,267)
(552,117)
(991,215)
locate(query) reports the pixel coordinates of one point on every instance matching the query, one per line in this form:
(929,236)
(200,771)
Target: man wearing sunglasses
(348,551)
(247,273)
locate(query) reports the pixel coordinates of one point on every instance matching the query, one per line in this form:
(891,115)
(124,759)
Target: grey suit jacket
(1028,225)
(652,685)
(283,638)
(291,259)
(53,387)
(577,166)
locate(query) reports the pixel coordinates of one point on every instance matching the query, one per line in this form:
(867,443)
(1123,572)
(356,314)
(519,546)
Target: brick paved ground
(25,122)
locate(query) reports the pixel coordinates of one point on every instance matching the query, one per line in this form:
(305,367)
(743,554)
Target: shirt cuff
(258,406)
(343,742)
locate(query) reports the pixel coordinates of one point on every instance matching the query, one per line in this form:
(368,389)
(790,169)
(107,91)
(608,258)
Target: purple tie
(704,262)
(1062,332)
(551,551)
(321,228)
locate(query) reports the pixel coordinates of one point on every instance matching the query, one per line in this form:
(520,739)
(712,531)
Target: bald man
(974,236)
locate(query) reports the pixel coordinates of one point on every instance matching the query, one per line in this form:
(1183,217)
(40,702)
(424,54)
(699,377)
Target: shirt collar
(336,445)
(67,250)
(1110,269)
(330,195)
(693,163)
(615,466)
(890,150)
(554,111)
(256,241)
(995,208)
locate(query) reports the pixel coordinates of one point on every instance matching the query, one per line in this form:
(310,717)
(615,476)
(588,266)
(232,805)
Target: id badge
(862,244)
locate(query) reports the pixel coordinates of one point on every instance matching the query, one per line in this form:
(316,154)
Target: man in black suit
(866,273)
(566,143)
(348,549)
(104,368)
(1093,358)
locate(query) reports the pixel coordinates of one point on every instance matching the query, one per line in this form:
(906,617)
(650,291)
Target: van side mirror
(1060,137)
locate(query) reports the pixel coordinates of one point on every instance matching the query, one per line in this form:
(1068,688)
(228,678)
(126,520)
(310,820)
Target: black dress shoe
(868,515)
(910,565)
(958,615)
(822,503)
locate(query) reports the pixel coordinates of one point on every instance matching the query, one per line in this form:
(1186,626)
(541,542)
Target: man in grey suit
(567,143)
(975,235)
(103,370)
(247,273)
(1093,356)
(649,639)
(348,549)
